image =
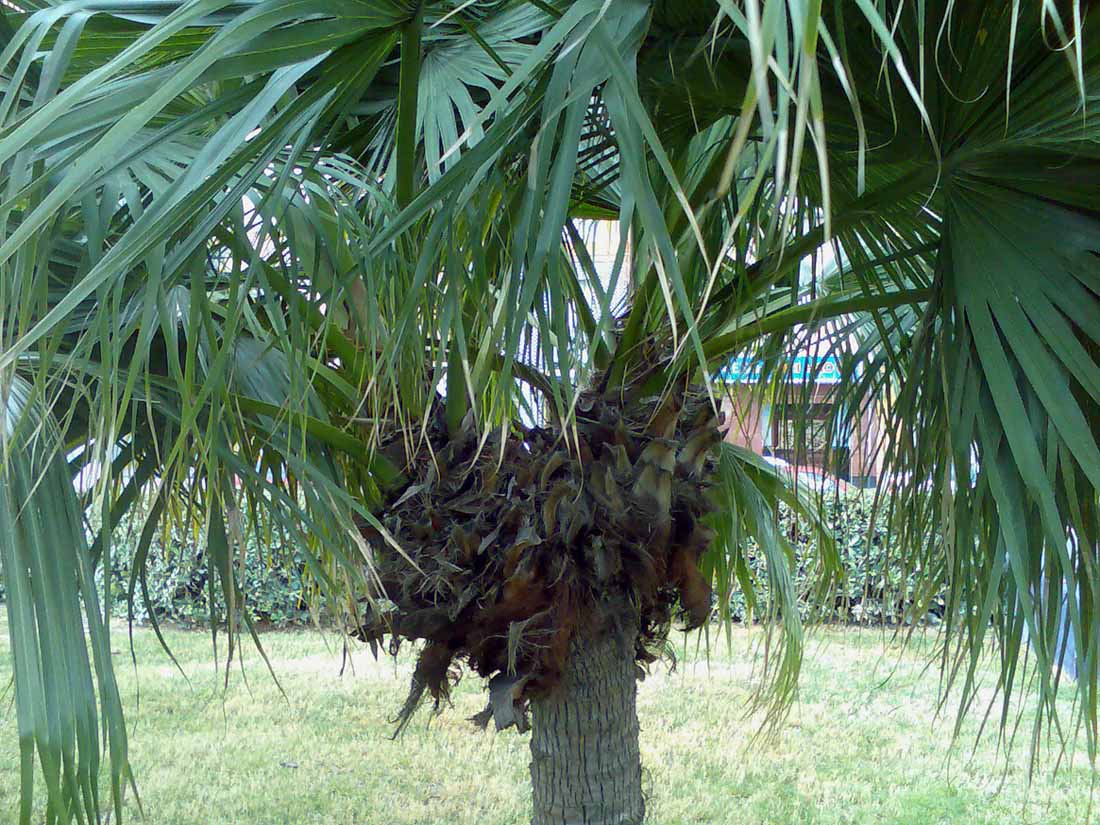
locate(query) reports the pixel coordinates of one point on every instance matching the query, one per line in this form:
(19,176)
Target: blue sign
(821,369)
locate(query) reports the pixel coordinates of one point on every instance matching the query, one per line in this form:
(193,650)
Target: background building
(766,420)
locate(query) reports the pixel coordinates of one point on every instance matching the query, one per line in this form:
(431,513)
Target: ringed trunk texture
(585,764)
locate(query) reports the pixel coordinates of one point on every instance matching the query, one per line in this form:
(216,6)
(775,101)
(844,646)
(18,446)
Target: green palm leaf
(243,245)
(47,572)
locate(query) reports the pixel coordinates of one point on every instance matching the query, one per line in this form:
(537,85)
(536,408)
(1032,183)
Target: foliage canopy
(242,243)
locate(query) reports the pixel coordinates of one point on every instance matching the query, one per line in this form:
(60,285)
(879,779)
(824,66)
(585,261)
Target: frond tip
(48,579)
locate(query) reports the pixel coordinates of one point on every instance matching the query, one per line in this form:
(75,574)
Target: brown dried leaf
(488,540)
(619,460)
(504,699)
(410,491)
(660,453)
(693,454)
(550,506)
(580,520)
(553,464)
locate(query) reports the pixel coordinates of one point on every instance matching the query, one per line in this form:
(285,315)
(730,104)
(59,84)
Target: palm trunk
(585,765)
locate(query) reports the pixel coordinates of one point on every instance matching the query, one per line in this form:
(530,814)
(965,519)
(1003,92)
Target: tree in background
(320,268)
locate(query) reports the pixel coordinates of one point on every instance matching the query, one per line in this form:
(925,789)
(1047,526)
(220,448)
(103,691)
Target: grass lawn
(854,751)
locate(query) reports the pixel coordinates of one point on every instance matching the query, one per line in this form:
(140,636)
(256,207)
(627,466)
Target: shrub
(180,584)
(873,586)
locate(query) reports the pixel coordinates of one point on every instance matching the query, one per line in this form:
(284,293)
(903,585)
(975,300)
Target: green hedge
(873,586)
(179,590)
(179,582)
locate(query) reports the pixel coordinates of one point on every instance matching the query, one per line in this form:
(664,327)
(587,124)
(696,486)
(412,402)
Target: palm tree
(322,268)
